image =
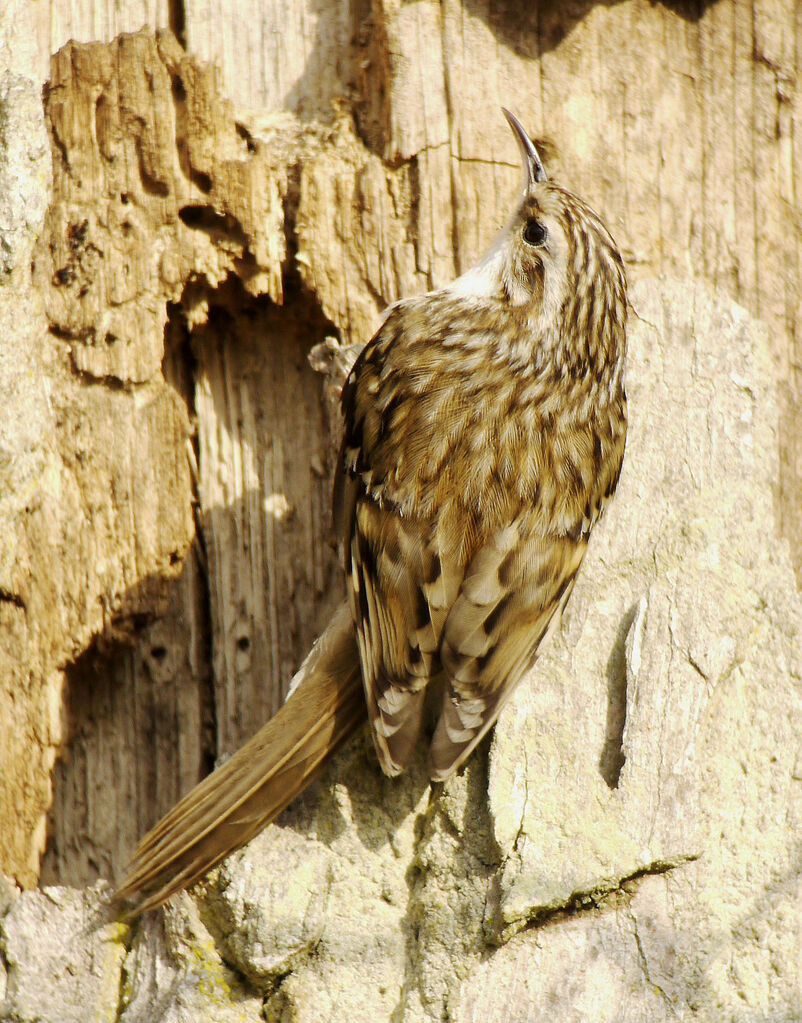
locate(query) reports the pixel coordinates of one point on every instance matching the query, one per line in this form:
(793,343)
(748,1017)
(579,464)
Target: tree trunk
(195,242)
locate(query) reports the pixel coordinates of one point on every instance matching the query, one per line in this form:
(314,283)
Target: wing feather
(514,587)
(400,596)
(466,519)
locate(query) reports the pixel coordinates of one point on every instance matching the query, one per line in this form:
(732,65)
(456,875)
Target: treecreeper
(485,426)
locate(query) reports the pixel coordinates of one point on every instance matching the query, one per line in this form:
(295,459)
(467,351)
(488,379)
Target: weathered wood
(164,460)
(265,492)
(372,164)
(169,204)
(139,720)
(55,22)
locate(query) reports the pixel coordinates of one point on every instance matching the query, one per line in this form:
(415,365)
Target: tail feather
(241,797)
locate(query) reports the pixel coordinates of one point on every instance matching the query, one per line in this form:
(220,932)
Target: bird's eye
(534,232)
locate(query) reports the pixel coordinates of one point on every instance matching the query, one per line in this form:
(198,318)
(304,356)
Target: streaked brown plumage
(485,426)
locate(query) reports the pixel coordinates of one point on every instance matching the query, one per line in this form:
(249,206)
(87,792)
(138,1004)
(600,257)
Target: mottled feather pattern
(485,426)
(481,444)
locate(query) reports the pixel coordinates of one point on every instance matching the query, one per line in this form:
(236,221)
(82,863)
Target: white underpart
(482,279)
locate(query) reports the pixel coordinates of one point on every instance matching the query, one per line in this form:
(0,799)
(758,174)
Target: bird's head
(554,263)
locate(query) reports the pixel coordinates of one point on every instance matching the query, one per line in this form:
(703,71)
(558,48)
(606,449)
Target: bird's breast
(479,449)
(444,426)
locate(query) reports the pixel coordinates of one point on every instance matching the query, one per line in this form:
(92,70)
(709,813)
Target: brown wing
(514,588)
(401,584)
(400,594)
(466,501)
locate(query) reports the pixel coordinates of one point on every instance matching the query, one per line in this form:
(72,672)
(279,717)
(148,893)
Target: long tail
(237,800)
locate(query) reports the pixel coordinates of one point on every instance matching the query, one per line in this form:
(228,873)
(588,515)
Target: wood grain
(340,155)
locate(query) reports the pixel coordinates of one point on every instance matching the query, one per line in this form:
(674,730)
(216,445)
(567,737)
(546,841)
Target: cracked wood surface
(165,551)
(678,121)
(161,268)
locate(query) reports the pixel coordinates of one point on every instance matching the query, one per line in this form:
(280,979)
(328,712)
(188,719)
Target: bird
(484,433)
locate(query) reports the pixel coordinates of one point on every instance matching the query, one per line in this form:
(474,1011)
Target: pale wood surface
(677,121)
(167,200)
(362,157)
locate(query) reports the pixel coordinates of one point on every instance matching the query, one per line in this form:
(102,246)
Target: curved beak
(534,170)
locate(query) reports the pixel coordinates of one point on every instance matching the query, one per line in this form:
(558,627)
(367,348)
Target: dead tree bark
(165,548)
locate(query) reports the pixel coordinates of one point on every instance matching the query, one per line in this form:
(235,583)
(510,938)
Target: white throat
(482,280)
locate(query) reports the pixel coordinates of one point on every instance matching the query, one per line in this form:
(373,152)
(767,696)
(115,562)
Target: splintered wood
(193,255)
(163,271)
(154,186)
